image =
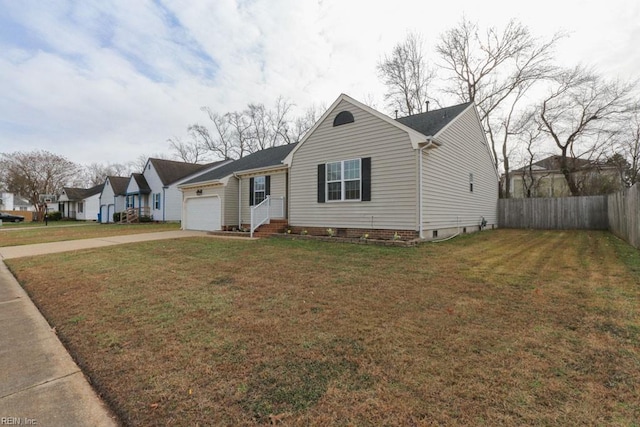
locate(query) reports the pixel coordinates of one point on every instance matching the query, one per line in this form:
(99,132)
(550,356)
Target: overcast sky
(108,81)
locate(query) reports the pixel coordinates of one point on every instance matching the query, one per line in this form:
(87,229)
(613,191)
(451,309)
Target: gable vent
(343,118)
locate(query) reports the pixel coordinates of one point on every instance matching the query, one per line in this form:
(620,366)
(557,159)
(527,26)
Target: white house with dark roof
(154,192)
(80,203)
(358,171)
(112,197)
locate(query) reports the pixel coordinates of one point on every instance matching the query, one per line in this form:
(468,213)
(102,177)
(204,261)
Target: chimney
(396,114)
(427,102)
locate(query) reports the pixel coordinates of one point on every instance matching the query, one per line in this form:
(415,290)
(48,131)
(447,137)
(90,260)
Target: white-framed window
(157,201)
(471,183)
(259,189)
(130,201)
(344,180)
(80,207)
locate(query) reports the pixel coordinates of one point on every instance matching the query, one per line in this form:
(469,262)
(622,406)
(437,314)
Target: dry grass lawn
(56,232)
(507,327)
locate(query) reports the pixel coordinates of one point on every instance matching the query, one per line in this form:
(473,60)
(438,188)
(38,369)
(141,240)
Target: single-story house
(544,178)
(154,192)
(112,197)
(358,171)
(223,198)
(80,203)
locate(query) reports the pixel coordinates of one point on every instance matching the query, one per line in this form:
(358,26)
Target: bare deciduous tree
(628,145)
(191,151)
(495,69)
(407,76)
(31,174)
(96,173)
(582,114)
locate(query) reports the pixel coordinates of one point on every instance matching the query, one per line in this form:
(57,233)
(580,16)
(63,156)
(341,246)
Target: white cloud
(107,81)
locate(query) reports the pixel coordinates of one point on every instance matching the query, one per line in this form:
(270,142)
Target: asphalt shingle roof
(82,193)
(261,159)
(119,184)
(143,185)
(432,122)
(170,171)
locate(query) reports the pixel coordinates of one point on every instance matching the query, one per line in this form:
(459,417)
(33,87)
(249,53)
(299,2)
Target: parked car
(5,217)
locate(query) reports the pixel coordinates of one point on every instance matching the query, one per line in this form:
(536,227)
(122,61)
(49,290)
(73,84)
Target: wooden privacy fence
(565,213)
(624,215)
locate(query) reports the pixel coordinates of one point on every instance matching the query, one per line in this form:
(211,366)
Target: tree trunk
(568,175)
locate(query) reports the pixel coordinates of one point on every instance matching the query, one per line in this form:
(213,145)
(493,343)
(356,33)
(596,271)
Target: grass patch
(509,327)
(59,233)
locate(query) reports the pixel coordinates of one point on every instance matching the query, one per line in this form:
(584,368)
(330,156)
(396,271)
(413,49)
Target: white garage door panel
(203,213)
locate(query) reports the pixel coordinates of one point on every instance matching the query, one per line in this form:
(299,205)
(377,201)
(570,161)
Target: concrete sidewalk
(41,384)
(75,245)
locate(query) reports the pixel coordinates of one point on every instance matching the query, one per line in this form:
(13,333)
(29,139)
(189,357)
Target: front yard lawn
(506,327)
(59,231)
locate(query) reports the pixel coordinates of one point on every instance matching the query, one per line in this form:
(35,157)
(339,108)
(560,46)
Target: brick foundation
(380,234)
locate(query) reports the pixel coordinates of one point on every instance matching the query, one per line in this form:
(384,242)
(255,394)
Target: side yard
(508,327)
(58,233)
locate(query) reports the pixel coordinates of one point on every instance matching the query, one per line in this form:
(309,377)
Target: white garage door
(203,213)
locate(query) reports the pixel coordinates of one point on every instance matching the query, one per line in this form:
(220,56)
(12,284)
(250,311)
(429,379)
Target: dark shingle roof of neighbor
(143,186)
(170,171)
(432,122)
(119,184)
(82,193)
(553,163)
(260,159)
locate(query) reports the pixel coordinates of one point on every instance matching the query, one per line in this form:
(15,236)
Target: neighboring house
(545,179)
(154,192)
(221,199)
(112,197)
(6,201)
(22,204)
(80,203)
(358,171)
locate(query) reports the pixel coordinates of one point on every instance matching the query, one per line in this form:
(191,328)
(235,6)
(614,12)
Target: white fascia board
(209,183)
(274,168)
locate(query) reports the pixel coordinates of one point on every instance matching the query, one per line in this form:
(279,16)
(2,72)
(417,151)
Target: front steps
(277,226)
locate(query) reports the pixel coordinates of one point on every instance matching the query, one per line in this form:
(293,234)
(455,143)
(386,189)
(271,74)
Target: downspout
(239,200)
(163,201)
(420,207)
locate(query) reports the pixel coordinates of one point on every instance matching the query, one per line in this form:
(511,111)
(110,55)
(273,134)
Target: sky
(109,81)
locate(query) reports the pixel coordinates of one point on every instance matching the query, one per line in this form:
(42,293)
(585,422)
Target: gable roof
(119,184)
(432,122)
(260,159)
(416,137)
(82,193)
(170,171)
(552,164)
(141,181)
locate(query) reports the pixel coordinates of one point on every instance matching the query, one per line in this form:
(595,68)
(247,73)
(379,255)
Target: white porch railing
(260,214)
(265,210)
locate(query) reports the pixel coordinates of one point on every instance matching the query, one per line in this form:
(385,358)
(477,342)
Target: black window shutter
(366,179)
(250,191)
(321,181)
(267,185)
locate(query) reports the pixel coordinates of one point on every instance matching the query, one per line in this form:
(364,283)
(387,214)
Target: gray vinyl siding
(230,203)
(278,189)
(393,202)
(447,200)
